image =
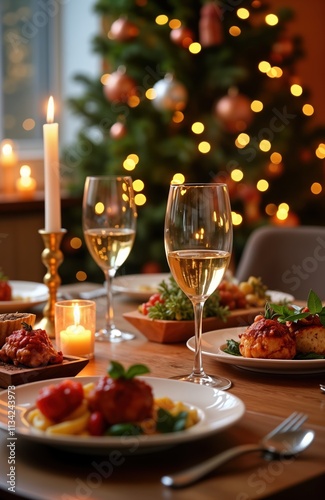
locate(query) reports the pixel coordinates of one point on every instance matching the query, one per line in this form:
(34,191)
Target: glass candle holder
(75,325)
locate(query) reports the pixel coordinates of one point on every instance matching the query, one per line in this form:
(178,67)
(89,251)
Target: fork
(192,474)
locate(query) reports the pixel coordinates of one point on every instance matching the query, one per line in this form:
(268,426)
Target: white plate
(25,294)
(218,410)
(139,286)
(214,342)
(279,297)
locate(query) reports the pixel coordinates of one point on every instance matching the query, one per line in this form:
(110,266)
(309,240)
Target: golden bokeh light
(161,20)
(178,117)
(174,24)
(296,90)
(308,109)
(99,208)
(140,199)
(320,151)
(271,19)
(237,175)
(129,164)
(262,185)
(204,147)
(138,185)
(276,157)
(256,106)
(195,48)
(81,276)
(75,243)
(150,94)
(316,188)
(178,179)
(243,13)
(237,219)
(197,128)
(264,66)
(242,140)
(271,209)
(265,145)
(234,31)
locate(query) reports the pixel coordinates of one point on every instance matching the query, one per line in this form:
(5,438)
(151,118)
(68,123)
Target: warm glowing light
(140,199)
(284,206)
(129,164)
(308,109)
(296,89)
(265,145)
(150,94)
(178,117)
(262,185)
(197,128)
(174,24)
(243,13)
(271,19)
(50,110)
(25,171)
(242,140)
(256,106)
(133,101)
(316,188)
(275,72)
(161,20)
(237,219)
(178,179)
(276,157)
(99,208)
(81,276)
(204,147)
(104,78)
(133,157)
(320,151)
(138,185)
(264,66)
(271,209)
(282,214)
(28,124)
(195,48)
(75,243)
(234,31)
(237,175)
(7,149)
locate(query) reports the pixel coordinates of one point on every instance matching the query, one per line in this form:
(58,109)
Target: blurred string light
(178,179)
(243,13)
(237,219)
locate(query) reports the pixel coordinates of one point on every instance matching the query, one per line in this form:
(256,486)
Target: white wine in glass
(109,224)
(198,243)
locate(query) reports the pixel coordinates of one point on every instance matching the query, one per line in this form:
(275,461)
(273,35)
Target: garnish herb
(284,313)
(232,348)
(177,306)
(116,370)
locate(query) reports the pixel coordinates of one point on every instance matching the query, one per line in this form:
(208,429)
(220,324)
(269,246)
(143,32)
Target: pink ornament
(210,27)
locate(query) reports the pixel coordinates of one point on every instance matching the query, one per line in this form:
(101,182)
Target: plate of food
(24,295)
(285,339)
(138,286)
(196,411)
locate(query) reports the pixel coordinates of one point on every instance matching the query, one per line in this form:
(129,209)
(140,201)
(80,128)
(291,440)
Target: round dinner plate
(217,410)
(214,343)
(25,294)
(139,286)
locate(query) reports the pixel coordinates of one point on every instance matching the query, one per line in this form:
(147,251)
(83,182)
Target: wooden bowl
(169,332)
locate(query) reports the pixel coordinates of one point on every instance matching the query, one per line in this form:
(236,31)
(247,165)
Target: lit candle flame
(50,110)
(7,149)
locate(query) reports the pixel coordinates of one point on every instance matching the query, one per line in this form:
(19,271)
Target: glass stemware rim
(108,177)
(199,184)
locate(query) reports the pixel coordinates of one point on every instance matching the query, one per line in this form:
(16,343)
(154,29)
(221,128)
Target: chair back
(290,260)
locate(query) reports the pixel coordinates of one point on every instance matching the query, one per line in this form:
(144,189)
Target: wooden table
(268,399)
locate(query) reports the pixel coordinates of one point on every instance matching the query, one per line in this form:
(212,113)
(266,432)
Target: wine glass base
(204,379)
(113,335)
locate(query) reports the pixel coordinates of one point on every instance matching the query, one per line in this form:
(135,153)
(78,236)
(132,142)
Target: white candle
(51,172)
(76,340)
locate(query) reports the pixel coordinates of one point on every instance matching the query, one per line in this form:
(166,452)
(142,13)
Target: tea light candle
(75,327)
(26,185)
(8,161)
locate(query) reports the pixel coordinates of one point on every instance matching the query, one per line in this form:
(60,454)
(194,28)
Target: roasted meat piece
(28,347)
(309,334)
(269,339)
(121,400)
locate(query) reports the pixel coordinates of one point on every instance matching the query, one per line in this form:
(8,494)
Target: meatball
(268,339)
(122,400)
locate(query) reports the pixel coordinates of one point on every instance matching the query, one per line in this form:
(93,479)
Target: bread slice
(9,322)
(311,339)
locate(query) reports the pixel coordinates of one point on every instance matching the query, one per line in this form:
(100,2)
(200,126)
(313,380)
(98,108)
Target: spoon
(281,445)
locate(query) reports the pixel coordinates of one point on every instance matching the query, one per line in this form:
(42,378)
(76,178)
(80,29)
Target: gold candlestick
(52,257)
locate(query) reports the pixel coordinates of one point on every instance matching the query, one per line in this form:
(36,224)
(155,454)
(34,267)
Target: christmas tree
(202,92)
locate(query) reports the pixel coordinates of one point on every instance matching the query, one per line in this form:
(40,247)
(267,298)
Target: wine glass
(198,245)
(109,223)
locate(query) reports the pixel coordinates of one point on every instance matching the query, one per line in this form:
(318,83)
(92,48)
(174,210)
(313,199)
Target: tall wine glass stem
(198,317)
(109,316)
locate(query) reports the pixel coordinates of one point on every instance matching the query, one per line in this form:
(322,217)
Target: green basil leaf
(135,370)
(314,303)
(126,429)
(116,370)
(232,348)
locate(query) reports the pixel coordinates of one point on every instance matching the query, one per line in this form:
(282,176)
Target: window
(27,60)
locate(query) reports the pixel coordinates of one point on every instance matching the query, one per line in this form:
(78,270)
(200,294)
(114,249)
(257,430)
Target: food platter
(168,331)
(214,342)
(26,294)
(217,409)
(139,286)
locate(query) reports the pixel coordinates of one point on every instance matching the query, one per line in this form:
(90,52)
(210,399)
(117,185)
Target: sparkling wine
(109,247)
(198,272)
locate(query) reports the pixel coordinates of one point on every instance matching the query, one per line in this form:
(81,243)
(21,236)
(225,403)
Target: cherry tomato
(57,401)
(156,297)
(96,424)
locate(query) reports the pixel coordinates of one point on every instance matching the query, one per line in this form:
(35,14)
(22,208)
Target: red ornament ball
(117,130)
(119,87)
(234,112)
(182,36)
(123,30)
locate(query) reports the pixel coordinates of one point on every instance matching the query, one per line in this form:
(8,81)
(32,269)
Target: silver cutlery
(287,439)
(322,387)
